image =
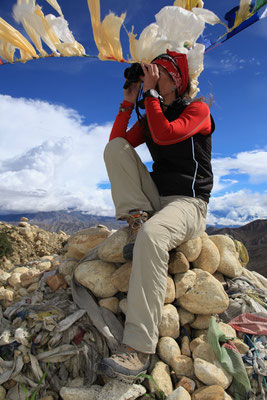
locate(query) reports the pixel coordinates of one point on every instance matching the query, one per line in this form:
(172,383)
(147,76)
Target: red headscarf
(179,75)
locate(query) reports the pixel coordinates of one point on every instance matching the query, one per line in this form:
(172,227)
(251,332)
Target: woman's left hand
(151,76)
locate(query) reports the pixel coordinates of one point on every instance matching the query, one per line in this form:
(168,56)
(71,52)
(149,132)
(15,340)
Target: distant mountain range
(67,221)
(253,234)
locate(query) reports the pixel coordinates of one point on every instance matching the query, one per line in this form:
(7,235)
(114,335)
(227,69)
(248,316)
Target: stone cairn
(44,328)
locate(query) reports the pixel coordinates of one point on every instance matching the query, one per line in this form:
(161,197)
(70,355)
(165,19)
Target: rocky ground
(51,344)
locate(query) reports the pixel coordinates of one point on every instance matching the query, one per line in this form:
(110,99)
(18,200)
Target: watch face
(154,93)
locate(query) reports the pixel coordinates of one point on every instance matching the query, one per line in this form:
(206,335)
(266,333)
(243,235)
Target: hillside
(254,237)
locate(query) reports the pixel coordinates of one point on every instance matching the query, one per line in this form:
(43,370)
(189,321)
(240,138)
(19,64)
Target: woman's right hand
(131,93)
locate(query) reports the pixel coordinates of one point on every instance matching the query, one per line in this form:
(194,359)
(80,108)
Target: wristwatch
(152,93)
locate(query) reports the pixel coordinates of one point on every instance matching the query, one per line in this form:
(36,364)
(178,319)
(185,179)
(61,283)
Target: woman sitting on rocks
(164,208)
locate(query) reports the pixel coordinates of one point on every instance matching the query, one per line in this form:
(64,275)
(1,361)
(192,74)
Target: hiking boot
(135,219)
(126,364)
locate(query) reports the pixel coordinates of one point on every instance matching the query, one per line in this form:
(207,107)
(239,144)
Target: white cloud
(50,160)
(230,63)
(237,208)
(250,163)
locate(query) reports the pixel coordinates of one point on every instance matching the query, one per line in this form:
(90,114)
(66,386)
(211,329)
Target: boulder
(117,390)
(167,349)
(186,317)
(212,373)
(229,257)
(187,383)
(207,296)
(227,330)
(96,276)
(111,303)
(111,249)
(242,347)
(179,394)
(201,322)
(169,325)
(161,375)
(191,249)
(170,291)
(67,266)
(205,352)
(81,242)
(185,348)
(4,276)
(121,277)
(183,366)
(178,262)
(14,279)
(214,392)
(81,393)
(209,258)
(184,282)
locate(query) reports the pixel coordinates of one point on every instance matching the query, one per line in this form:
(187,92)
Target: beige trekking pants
(177,219)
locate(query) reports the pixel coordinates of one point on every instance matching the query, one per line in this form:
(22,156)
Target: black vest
(182,168)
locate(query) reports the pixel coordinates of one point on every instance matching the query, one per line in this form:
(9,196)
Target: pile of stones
(41,323)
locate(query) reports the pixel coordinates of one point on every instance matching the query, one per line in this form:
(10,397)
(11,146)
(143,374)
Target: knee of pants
(113,146)
(152,233)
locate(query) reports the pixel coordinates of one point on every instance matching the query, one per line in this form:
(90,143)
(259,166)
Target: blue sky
(56,115)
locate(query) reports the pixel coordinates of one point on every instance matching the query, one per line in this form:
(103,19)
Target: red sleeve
(134,135)
(194,119)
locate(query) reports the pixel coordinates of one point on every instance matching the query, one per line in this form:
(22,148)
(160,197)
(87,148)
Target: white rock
(117,390)
(186,317)
(178,262)
(111,249)
(96,275)
(170,291)
(205,352)
(111,303)
(183,366)
(229,262)
(83,393)
(121,277)
(14,279)
(209,258)
(4,276)
(67,266)
(20,270)
(185,348)
(179,394)
(169,325)
(207,296)
(227,329)
(81,242)
(191,249)
(44,265)
(201,322)
(184,282)
(167,349)
(212,374)
(161,375)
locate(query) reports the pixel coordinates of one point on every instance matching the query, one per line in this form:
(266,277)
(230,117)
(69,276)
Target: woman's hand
(151,76)
(132,92)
